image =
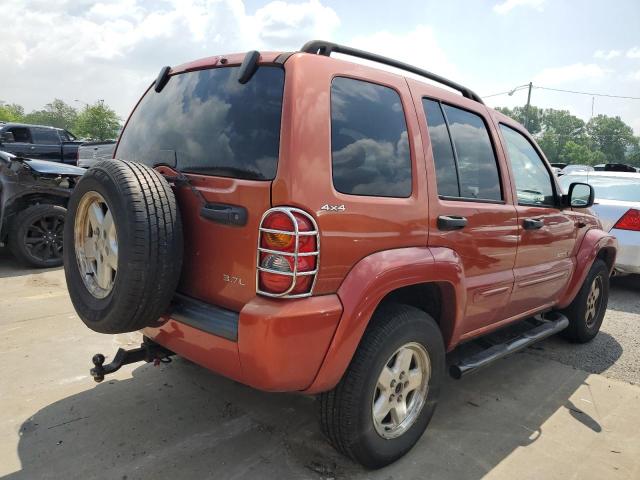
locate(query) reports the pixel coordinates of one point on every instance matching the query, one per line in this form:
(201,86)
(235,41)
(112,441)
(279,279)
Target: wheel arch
(597,244)
(399,275)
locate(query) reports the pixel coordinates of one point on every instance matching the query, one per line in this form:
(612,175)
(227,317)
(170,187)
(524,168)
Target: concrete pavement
(527,416)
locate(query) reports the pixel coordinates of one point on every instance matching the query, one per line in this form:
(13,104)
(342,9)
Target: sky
(84,51)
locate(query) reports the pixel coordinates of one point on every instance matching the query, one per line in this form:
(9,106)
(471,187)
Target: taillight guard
(296,233)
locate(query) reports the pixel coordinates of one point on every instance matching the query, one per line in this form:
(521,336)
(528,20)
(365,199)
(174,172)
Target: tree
(11,112)
(55,114)
(574,153)
(519,114)
(98,122)
(611,136)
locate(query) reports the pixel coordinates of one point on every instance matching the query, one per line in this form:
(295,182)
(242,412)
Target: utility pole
(526,109)
(593,101)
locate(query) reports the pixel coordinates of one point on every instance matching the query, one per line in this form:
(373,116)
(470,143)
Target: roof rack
(322,47)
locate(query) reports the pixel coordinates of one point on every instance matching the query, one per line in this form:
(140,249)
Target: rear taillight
(629,221)
(288,253)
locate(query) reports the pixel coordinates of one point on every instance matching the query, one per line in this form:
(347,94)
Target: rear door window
(465,162)
(207,122)
(45,136)
(369,143)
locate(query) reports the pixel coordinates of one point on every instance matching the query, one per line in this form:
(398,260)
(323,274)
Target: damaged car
(33,204)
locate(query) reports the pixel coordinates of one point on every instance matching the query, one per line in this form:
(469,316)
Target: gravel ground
(615,352)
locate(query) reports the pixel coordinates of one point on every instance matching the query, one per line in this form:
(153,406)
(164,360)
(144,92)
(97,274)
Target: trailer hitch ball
(98,372)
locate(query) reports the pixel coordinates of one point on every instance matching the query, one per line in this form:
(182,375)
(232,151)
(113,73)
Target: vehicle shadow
(181,421)
(10,267)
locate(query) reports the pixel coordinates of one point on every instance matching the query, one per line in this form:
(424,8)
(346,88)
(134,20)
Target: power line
(588,93)
(591,94)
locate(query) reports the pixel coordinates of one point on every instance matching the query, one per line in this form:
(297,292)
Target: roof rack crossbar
(322,47)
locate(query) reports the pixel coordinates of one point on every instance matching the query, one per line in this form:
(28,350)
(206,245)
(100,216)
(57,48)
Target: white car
(618,207)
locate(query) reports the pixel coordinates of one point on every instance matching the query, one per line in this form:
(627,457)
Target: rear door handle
(225,214)
(532,224)
(451,222)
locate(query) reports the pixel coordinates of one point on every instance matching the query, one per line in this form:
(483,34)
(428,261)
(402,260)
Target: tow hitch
(147,352)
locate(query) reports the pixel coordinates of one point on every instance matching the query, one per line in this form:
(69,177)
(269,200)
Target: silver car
(618,207)
(90,153)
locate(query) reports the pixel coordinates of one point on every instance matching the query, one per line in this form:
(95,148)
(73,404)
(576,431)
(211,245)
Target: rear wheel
(36,235)
(587,310)
(388,394)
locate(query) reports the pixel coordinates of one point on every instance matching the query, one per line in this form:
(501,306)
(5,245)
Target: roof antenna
(249,66)
(162,79)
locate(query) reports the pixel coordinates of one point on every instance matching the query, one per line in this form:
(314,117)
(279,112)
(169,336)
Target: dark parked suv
(33,201)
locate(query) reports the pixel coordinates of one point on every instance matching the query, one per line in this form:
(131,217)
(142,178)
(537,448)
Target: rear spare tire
(122,247)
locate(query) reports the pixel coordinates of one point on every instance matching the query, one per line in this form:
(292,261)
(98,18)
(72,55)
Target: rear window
(206,122)
(369,144)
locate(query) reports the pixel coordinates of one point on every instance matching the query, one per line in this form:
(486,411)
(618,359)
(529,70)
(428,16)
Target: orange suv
(300,222)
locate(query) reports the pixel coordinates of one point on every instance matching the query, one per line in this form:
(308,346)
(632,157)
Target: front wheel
(587,310)
(387,396)
(36,235)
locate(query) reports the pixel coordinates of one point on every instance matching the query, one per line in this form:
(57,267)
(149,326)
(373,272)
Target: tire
(586,313)
(36,235)
(123,228)
(346,412)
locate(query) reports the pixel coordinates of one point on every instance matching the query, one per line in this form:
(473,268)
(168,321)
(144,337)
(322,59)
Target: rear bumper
(272,345)
(628,256)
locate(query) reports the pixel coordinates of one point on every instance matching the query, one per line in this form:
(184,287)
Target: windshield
(206,122)
(607,188)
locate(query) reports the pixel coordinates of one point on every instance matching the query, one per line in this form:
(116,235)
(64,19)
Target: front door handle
(451,222)
(532,224)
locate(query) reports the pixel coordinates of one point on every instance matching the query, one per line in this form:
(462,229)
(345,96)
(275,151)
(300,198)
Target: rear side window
(44,136)
(369,143)
(475,164)
(206,122)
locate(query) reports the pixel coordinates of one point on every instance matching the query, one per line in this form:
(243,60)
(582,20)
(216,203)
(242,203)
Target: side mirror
(7,137)
(581,195)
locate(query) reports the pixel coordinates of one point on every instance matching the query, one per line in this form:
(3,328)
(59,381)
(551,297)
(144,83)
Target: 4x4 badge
(333,208)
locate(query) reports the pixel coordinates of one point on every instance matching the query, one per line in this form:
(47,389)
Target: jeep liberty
(298,222)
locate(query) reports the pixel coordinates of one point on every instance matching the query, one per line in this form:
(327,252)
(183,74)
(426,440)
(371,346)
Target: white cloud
(607,55)
(417,47)
(633,52)
(112,49)
(569,73)
(633,75)
(508,5)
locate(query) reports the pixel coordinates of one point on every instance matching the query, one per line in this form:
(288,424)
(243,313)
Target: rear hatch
(224,137)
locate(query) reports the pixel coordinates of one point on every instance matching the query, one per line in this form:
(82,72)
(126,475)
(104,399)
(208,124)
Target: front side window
(533,180)
(466,166)
(369,142)
(45,136)
(207,122)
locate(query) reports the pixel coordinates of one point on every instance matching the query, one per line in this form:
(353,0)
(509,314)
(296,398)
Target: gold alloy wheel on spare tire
(96,244)
(122,247)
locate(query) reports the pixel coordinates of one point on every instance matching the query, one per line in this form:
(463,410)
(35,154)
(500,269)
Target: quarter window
(465,162)
(533,180)
(369,143)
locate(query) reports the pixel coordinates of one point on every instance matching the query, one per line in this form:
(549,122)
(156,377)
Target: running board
(551,323)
